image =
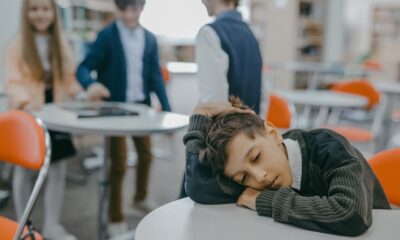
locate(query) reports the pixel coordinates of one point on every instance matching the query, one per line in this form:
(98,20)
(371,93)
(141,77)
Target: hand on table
(97,92)
(248,198)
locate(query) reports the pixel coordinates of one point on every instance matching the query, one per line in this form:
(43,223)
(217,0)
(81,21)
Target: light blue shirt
(133,43)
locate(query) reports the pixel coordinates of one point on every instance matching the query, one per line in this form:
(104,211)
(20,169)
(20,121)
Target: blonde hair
(30,51)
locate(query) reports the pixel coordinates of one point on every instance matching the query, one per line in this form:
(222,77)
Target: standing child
(40,69)
(125,57)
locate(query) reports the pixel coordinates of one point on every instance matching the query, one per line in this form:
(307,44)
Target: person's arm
(14,82)
(212,66)
(73,88)
(94,59)
(345,210)
(157,82)
(201,184)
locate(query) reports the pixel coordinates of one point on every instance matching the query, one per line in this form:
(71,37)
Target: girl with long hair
(39,69)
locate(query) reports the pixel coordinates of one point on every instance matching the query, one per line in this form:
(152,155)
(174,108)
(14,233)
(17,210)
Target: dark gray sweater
(338,188)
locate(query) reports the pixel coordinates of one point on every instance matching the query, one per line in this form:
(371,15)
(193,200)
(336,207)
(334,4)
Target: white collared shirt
(133,43)
(295,161)
(213,64)
(42,45)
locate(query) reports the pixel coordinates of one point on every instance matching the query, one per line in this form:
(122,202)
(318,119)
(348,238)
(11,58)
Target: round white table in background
(185,220)
(146,123)
(392,91)
(388,87)
(324,100)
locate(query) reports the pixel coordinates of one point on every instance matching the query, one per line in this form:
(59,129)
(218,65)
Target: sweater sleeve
(213,63)
(93,61)
(201,185)
(345,209)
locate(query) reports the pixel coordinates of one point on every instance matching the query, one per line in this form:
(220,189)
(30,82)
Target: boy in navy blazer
(125,57)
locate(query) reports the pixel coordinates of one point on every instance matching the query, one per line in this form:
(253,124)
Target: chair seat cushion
(9,228)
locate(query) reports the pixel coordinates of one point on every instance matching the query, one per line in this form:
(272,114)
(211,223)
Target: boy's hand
(97,92)
(215,108)
(248,198)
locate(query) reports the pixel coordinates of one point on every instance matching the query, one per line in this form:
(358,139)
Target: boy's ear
(273,131)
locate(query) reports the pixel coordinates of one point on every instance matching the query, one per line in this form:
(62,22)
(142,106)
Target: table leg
(103,200)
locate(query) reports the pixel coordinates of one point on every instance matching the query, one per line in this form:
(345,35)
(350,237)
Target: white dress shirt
(295,161)
(213,63)
(133,43)
(42,45)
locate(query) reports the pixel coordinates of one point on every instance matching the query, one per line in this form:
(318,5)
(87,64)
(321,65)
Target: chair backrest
(386,166)
(24,141)
(280,112)
(376,100)
(360,87)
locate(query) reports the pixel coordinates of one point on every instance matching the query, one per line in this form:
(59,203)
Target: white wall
(335,27)
(9,24)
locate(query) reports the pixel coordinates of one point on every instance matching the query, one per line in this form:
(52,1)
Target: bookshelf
(83,19)
(385,38)
(290,31)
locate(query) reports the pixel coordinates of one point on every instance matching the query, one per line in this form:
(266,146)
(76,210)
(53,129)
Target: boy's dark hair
(123,4)
(221,131)
(236,2)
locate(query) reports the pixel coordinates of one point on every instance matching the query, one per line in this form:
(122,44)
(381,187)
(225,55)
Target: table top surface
(323,98)
(148,121)
(320,67)
(185,220)
(388,87)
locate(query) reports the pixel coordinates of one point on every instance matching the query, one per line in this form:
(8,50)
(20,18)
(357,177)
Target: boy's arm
(157,82)
(93,60)
(345,210)
(201,185)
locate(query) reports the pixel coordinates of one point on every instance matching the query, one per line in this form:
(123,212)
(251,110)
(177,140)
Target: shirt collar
(233,14)
(295,161)
(121,26)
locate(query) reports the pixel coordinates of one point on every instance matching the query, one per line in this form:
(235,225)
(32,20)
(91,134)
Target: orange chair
(165,74)
(24,141)
(386,166)
(376,105)
(280,112)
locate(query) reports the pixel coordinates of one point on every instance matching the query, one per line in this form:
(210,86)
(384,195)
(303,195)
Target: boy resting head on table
(313,179)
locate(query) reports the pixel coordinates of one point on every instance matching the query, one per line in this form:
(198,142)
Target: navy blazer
(106,56)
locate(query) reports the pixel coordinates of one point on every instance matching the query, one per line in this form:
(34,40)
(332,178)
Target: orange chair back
(386,166)
(279,112)
(22,140)
(360,87)
(9,228)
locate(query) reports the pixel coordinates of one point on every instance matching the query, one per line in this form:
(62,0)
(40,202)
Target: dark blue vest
(245,62)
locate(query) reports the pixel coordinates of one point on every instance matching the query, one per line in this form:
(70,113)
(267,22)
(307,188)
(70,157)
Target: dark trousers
(118,152)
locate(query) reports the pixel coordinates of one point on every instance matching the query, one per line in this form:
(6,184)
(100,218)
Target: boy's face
(130,15)
(259,163)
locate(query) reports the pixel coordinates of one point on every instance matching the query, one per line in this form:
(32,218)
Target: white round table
(392,91)
(388,87)
(324,100)
(185,220)
(147,122)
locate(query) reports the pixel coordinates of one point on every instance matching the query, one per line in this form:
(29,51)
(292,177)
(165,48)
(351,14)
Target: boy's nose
(259,174)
